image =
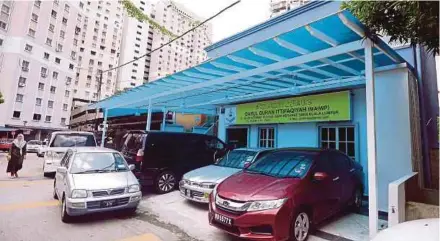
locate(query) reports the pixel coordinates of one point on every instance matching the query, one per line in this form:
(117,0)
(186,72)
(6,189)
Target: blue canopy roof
(324,54)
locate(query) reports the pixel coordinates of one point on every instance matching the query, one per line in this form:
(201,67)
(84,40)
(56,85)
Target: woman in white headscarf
(17,154)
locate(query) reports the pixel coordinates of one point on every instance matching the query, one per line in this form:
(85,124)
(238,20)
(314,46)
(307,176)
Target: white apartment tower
(140,38)
(278,7)
(99,37)
(37,64)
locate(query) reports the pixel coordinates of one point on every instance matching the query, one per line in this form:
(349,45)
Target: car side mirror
(131,167)
(320,176)
(247,164)
(62,169)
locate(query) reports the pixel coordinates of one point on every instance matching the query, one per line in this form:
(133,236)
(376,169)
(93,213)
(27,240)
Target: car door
(327,192)
(347,176)
(61,177)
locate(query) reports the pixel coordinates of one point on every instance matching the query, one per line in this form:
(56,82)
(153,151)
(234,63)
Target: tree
(1,98)
(414,22)
(138,14)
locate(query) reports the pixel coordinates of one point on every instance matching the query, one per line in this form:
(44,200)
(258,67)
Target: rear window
(34,142)
(73,140)
(134,141)
(283,164)
(237,159)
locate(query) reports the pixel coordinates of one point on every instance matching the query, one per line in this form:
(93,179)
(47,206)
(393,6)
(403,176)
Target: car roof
(301,149)
(72,132)
(165,132)
(93,149)
(253,149)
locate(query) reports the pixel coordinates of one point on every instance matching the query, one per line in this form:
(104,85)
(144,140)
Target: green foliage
(136,13)
(414,22)
(1,98)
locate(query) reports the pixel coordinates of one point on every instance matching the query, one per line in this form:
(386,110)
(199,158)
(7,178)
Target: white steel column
(371,139)
(104,129)
(148,126)
(164,111)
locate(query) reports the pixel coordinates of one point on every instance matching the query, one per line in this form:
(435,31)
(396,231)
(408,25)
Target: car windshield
(236,158)
(72,140)
(283,164)
(34,142)
(95,162)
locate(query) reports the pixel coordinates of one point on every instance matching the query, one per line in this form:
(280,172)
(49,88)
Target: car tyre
(165,182)
(65,217)
(356,200)
(55,196)
(301,226)
(131,211)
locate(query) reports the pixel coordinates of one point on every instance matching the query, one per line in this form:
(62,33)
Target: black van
(161,158)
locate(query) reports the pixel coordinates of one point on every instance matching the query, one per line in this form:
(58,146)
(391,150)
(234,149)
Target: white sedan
(417,230)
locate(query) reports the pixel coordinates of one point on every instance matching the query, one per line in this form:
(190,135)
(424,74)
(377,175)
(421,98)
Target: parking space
(29,213)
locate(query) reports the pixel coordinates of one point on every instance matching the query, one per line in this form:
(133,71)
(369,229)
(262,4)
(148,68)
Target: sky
(242,16)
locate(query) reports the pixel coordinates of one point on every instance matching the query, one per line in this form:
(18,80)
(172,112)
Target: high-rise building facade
(98,38)
(37,64)
(278,7)
(141,38)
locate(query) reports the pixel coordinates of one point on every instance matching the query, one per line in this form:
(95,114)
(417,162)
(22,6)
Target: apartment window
(25,66)
(87,93)
(87,85)
(68,81)
(22,81)
(81,49)
(41,86)
(49,41)
(52,89)
(66,8)
(54,14)
(75,42)
(37,117)
(266,138)
(31,33)
(99,63)
(35,17)
(64,21)
(62,34)
(136,51)
(50,104)
(1,42)
(46,56)
(16,114)
(71,66)
(43,72)
(38,101)
(19,98)
(56,2)
(51,27)
(81,5)
(341,138)
(63,121)
(65,106)
(48,118)
(59,48)
(2,25)
(55,75)
(67,93)
(37,3)
(91,62)
(58,60)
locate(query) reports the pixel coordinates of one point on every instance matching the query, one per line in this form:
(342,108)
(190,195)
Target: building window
(66,8)
(62,34)
(16,114)
(1,42)
(49,41)
(340,138)
(65,106)
(34,17)
(48,118)
(28,48)
(63,121)
(31,33)
(59,48)
(67,93)
(54,14)
(266,138)
(37,117)
(65,21)
(52,89)
(58,60)
(51,27)
(46,56)
(50,104)
(43,72)
(38,101)
(22,81)
(55,75)
(25,66)
(71,66)
(19,98)
(41,86)
(37,3)
(2,25)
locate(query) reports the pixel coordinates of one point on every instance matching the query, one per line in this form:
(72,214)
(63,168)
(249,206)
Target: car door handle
(352,170)
(335,179)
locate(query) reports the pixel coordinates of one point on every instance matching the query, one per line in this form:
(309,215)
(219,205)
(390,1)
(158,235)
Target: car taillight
(139,155)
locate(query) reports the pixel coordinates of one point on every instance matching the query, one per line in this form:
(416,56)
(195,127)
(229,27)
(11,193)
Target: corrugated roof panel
(302,38)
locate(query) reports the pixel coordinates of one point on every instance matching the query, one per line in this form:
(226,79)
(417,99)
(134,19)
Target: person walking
(17,154)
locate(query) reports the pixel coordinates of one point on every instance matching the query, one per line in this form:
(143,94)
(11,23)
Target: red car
(285,193)
(5,144)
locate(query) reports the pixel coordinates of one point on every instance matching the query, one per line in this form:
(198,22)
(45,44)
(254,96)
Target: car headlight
(79,194)
(134,188)
(209,185)
(265,205)
(49,154)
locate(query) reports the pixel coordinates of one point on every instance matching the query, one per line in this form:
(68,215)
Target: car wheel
(356,200)
(301,226)
(64,215)
(131,211)
(166,182)
(55,196)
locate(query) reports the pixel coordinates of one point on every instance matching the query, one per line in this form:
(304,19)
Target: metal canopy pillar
(164,111)
(104,129)
(148,126)
(371,140)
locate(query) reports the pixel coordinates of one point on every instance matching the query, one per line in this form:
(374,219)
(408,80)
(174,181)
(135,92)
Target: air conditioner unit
(25,69)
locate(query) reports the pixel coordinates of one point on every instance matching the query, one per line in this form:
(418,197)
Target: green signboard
(313,108)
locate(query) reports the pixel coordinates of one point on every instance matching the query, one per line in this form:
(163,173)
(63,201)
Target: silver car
(94,179)
(33,146)
(198,184)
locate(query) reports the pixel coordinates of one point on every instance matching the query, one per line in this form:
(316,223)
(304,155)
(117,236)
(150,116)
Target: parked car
(415,230)
(91,180)
(283,194)
(59,143)
(5,144)
(198,184)
(161,158)
(33,145)
(42,149)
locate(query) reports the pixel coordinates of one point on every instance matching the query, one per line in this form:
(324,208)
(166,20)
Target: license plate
(108,203)
(222,219)
(206,195)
